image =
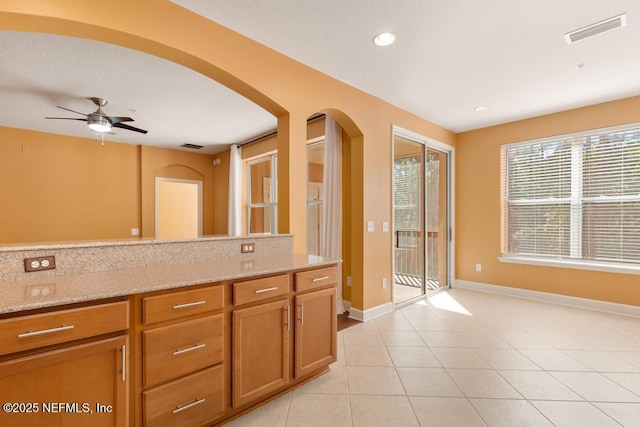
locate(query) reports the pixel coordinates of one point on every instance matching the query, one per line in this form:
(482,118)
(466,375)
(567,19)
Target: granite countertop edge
(44,292)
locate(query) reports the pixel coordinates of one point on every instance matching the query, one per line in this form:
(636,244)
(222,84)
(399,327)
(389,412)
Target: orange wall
(221,193)
(288,89)
(61,188)
(478,227)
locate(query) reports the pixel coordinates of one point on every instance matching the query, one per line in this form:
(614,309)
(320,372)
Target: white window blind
(575,196)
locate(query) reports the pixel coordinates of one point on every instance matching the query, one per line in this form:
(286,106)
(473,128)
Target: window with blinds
(573,197)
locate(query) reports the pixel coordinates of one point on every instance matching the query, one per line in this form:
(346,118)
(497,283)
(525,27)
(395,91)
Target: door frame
(450,151)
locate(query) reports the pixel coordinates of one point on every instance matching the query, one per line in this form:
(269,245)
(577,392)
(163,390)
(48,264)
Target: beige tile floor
(465,358)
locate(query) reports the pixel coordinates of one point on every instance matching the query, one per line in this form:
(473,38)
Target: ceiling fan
(98,121)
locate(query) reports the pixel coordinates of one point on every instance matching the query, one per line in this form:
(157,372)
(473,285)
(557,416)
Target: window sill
(580,265)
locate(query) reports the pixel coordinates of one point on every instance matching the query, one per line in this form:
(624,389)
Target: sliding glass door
(420,218)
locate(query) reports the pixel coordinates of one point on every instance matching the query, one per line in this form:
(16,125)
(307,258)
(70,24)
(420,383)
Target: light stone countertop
(39,292)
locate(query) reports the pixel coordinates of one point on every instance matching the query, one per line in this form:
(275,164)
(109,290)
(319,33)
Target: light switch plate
(385,227)
(369,226)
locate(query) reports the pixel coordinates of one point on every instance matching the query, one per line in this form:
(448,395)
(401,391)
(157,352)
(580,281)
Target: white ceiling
(450,56)
(173,103)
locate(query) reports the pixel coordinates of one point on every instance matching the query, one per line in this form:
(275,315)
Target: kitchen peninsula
(180,333)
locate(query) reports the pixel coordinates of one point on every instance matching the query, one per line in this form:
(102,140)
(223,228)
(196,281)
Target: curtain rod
(274,132)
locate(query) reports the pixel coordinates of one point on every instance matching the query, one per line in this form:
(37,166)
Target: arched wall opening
(286,88)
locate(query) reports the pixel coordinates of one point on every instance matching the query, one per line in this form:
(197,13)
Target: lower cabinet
(315,331)
(284,337)
(86,384)
(74,366)
(260,350)
(183,347)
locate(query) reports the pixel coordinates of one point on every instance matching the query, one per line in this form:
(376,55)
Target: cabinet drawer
(189,401)
(179,304)
(316,278)
(260,289)
(39,330)
(176,350)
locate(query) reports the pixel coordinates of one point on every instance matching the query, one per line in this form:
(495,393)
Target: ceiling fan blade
(73,111)
(127,127)
(65,118)
(115,120)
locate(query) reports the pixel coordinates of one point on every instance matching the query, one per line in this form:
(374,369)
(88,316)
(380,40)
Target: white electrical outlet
(478,267)
(348,280)
(135,231)
(384,283)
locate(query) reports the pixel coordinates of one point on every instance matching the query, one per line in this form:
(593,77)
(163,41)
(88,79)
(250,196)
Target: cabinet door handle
(301,314)
(45,331)
(188,349)
(188,304)
(124,363)
(320,279)
(190,405)
(288,318)
(259,291)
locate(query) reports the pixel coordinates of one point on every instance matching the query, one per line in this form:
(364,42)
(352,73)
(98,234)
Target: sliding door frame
(450,151)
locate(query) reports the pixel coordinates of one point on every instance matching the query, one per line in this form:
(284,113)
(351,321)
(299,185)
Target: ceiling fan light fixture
(99,124)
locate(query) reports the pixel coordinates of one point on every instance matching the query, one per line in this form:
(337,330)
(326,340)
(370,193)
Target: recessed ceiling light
(384,39)
(481,108)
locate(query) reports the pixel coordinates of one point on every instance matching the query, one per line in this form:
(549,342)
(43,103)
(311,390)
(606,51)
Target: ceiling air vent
(597,28)
(192,146)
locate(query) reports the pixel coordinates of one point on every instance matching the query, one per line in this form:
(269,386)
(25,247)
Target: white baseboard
(370,313)
(609,307)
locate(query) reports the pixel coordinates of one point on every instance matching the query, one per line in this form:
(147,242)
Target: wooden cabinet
(315,331)
(275,345)
(66,383)
(183,354)
(260,350)
(198,356)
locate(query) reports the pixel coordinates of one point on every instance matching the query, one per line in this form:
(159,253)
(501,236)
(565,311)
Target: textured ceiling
(450,57)
(173,103)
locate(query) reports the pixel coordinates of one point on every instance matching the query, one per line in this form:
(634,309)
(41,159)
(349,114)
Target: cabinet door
(260,351)
(81,385)
(316,331)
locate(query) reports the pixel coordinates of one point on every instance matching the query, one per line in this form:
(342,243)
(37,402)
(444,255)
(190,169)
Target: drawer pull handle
(190,405)
(320,279)
(189,304)
(188,349)
(45,331)
(259,291)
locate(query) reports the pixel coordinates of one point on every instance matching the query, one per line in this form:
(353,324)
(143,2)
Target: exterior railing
(409,257)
